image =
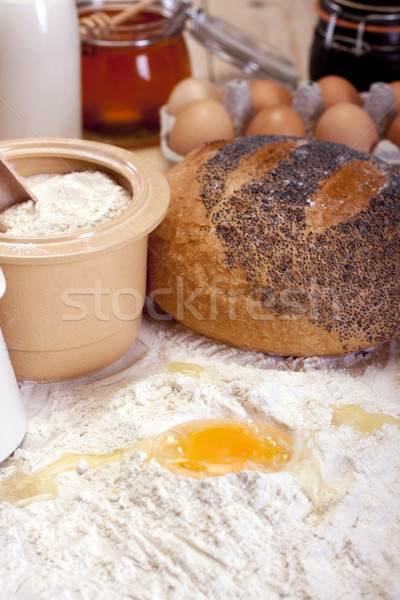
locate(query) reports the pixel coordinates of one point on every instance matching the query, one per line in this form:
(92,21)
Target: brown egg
(395,85)
(190,89)
(268,93)
(277,120)
(346,123)
(393,133)
(198,122)
(336,89)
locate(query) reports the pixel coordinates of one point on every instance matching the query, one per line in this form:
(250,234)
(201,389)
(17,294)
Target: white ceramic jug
(40,82)
(12,415)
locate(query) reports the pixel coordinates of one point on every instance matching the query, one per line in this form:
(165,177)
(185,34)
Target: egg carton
(166,123)
(378,102)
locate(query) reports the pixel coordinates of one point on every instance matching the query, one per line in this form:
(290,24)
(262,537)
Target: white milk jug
(40,88)
(12,415)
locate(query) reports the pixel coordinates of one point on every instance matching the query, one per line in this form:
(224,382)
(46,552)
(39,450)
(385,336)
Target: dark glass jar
(357,39)
(128,71)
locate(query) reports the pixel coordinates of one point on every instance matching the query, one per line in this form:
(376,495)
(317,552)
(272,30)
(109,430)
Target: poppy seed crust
(332,248)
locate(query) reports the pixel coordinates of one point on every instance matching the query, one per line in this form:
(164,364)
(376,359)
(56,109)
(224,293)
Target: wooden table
(287,25)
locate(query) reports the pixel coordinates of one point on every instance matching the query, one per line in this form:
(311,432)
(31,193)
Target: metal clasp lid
(376,21)
(229,43)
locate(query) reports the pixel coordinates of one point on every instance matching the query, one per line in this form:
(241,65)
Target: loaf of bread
(285,245)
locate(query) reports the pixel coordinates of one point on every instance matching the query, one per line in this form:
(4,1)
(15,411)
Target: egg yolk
(211,447)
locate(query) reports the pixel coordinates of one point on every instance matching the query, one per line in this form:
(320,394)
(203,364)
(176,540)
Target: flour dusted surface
(128,531)
(67,203)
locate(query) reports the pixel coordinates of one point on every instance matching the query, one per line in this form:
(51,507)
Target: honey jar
(357,39)
(129,70)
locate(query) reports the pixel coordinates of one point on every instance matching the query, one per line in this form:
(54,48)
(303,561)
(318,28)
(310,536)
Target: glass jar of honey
(357,39)
(128,70)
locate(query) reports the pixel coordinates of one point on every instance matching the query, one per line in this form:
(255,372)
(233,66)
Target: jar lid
(386,14)
(386,6)
(252,55)
(357,17)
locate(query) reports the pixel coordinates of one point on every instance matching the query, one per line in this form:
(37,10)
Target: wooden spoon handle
(126,14)
(12,187)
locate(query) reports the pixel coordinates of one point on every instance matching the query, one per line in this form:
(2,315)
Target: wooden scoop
(101,20)
(12,189)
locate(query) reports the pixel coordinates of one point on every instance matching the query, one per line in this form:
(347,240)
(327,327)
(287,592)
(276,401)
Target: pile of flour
(67,203)
(126,530)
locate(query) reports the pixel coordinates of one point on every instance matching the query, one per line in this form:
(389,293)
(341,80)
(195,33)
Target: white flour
(67,203)
(123,531)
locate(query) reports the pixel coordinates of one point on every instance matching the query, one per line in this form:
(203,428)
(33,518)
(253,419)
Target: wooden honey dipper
(101,20)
